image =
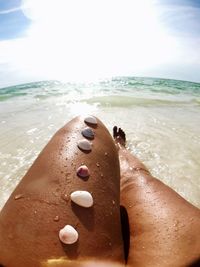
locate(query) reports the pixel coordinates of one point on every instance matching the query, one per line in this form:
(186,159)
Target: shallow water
(160,118)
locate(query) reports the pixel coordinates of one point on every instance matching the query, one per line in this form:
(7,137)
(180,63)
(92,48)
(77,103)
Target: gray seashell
(88,133)
(90,119)
(82,198)
(68,235)
(83,171)
(85,145)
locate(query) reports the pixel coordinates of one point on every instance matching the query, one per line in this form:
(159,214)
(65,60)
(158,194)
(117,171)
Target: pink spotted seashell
(83,171)
(68,235)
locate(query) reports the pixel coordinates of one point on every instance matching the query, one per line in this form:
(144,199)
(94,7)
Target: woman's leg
(41,206)
(164,227)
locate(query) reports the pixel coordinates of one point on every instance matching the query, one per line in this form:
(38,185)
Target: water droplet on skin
(97,164)
(182,225)
(55,194)
(65,197)
(56,218)
(106,154)
(176,223)
(18,196)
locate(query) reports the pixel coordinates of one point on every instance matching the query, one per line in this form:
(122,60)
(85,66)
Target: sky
(85,40)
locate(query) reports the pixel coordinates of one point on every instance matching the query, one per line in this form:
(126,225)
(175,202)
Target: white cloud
(11,10)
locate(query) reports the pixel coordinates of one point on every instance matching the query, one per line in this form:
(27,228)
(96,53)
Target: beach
(160,118)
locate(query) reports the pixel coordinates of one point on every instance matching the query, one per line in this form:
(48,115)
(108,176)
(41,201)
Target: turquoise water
(161,119)
(122,86)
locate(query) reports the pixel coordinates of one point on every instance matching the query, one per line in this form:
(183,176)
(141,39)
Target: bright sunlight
(85,40)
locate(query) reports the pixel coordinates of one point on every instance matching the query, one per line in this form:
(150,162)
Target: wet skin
(164,228)
(40,205)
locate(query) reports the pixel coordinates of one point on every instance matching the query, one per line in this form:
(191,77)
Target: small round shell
(83,171)
(88,133)
(68,235)
(85,145)
(91,120)
(82,198)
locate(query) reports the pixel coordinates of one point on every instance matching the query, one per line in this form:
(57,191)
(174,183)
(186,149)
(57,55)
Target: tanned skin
(164,227)
(159,227)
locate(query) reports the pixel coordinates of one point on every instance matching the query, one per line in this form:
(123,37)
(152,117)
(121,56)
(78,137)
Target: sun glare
(81,40)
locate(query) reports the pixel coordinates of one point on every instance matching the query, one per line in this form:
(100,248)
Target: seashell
(83,171)
(90,119)
(88,133)
(85,145)
(68,235)
(82,198)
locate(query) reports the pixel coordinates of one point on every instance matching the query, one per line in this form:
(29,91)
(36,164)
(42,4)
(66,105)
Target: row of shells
(68,234)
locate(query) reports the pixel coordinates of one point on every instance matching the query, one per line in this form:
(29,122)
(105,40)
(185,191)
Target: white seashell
(90,119)
(88,133)
(68,235)
(82,198)
(85,145)
(83,171)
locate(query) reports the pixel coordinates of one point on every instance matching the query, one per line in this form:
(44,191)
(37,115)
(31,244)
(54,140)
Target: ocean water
(161,119)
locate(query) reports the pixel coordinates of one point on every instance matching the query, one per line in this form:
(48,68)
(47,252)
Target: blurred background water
(160,117)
